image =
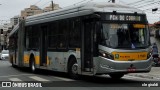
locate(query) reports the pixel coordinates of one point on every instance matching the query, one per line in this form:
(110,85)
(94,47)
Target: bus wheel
(116,76)
(32,66)
(73,69)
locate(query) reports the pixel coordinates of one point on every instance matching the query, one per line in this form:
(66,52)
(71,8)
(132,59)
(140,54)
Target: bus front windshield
(130,36)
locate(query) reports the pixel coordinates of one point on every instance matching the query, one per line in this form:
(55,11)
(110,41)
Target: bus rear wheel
(116,76)
(73,69)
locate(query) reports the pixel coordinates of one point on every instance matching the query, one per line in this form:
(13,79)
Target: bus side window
(52,35)
(62,34)
(74,34)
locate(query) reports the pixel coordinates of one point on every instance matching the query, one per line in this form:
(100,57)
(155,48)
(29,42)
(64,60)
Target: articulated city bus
(87,39)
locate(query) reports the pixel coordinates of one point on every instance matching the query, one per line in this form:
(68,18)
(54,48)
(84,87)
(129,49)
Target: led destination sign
(125,17)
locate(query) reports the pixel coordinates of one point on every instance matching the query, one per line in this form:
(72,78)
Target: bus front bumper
(107,66)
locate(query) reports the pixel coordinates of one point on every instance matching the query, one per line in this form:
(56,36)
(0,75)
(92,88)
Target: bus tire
(73,69)
(32,65)
(116,76)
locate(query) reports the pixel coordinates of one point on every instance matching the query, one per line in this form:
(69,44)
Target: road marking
(38,78)
(137,78)
(15,75)
(130,77)
(14,79)
(64,79)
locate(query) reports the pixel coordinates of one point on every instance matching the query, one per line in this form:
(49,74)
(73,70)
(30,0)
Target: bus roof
(14,30)
(79,10)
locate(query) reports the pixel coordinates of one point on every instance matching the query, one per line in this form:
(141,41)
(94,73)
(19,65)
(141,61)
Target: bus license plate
(131,69)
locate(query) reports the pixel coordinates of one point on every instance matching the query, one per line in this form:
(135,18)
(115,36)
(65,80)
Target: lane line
(15,75)
(15,79)
(137,78)
(38,78)
(64,79)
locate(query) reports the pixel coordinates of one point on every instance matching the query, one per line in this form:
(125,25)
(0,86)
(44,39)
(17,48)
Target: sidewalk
(153,74)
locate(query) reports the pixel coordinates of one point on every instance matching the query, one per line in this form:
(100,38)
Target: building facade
(33,10)
(5,30)
(51,7)
(14,20)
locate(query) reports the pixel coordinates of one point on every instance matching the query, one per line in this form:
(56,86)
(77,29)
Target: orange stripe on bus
(37,59)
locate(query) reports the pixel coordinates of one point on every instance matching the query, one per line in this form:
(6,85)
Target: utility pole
(52,5)
(113,1)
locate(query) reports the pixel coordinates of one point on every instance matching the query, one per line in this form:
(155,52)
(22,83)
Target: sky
(11,8)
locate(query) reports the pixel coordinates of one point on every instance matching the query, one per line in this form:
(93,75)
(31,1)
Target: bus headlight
(106,55)
(149,54)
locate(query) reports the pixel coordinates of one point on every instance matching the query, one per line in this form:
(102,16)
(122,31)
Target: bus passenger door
(87,47)
(43,46)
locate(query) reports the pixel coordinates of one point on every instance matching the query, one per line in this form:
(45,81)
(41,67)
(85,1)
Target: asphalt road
(52,80)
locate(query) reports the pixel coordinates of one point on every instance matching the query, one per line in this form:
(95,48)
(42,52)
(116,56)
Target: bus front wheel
(73,69)
(116,76)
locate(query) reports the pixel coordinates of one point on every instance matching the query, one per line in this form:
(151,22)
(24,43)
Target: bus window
(74,34)
(32,36)
(124,36)
(52,35)
(61,36)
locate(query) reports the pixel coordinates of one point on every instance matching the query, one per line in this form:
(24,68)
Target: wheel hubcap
(75,69)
